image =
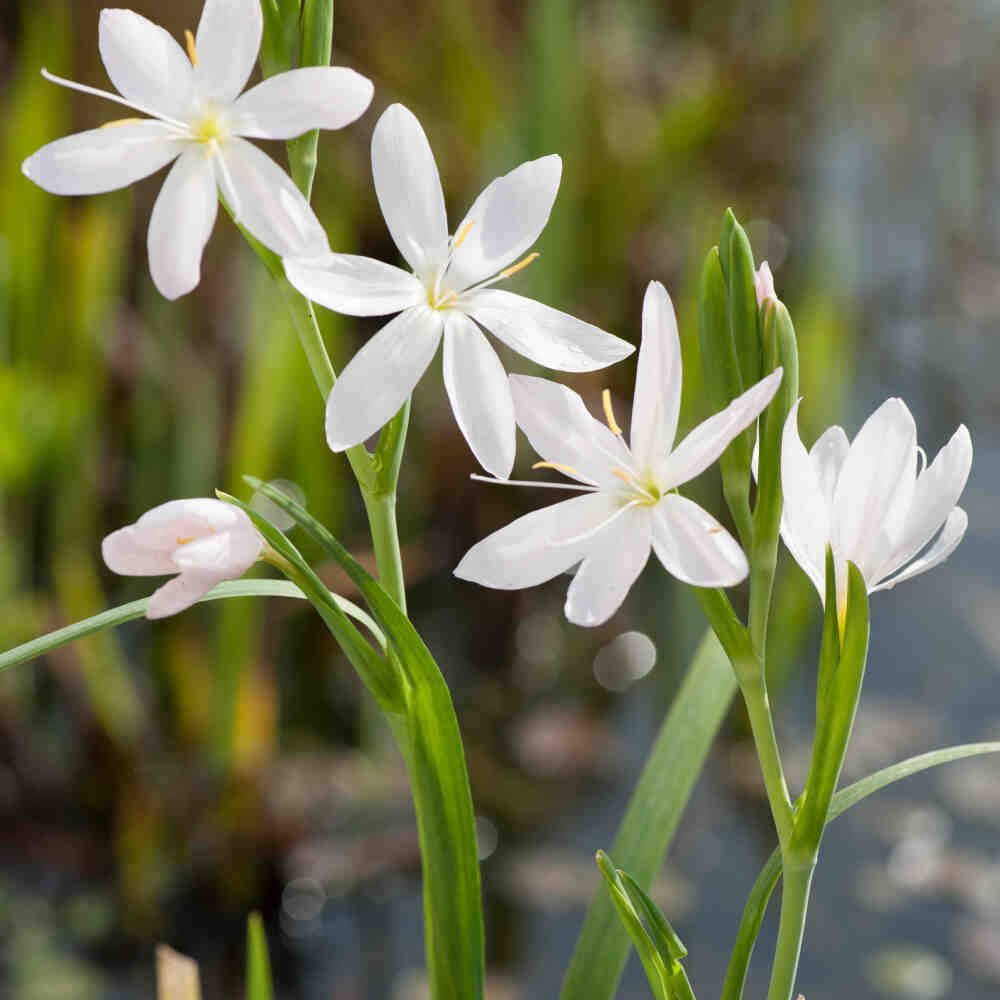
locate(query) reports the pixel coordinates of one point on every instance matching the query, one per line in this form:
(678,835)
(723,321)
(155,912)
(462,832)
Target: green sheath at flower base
(736,259)
(724,383)
(281,35)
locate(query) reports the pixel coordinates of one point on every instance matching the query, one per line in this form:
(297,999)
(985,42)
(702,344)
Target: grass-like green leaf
(259,985)
(653,813)
(432,745)
(753,913)
(136,609)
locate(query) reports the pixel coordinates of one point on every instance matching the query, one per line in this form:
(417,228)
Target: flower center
(207,127)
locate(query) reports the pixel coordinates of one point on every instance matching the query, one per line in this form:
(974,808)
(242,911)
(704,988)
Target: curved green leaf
(753,913)
(432,745)
(136,609)
(259,984)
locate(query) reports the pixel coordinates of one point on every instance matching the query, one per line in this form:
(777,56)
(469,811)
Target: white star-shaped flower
(868,502)
(204,541)
(631,506)
(447,295)
(198,117)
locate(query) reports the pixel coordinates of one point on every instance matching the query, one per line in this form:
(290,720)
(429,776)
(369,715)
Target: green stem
(796,882)
(385,539)
(754,688)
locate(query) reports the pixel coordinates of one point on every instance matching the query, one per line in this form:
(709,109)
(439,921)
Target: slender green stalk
(796,881)
(385,539)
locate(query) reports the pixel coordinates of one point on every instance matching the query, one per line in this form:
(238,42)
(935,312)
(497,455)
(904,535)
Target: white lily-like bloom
(630,507)
(203,540)
(199,117)
(763,284)
(446,295)
(874,501)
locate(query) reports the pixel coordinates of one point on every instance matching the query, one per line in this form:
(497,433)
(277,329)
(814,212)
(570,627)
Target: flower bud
(203,540)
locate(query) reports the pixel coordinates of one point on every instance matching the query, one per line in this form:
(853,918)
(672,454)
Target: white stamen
(593,531)
(528,482)
(84,89)
(234,201)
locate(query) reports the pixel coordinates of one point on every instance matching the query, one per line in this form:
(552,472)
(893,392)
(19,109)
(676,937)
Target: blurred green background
(159,782)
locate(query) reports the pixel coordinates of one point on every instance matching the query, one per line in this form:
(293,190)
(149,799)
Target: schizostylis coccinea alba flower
(874,501)
(447,296)
(631,505)
(199,117)
(204,541)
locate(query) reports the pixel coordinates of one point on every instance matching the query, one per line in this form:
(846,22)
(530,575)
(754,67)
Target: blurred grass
(113,400)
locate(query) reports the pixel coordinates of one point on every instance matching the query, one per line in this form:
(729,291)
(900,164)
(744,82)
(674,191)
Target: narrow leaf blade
(259,984)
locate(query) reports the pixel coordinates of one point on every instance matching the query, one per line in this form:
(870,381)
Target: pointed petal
(544,335)
(144,62)
(711,437)
(357,286)
(504,221)
(615,558)
(380,377)
(562,431)
(289,104)
(828,455)
(179,594)
(227,43)
(946,543)
(181,224)
(124,552)
(528,552)
(694,547)
(657,399)
(264,199)
(409,190)
(103,159)
(805,516)
(479,393)
(937,491)
(875,488)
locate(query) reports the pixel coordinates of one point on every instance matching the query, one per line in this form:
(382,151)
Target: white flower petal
(504,221)
(937,491)
(409,190)
(380,377)
(230,553)
(828,455)
(357,286)
(694,547)
(875,489)
(103,159)
(264,199)
(657,399)
(125,552)
(528,552)
(805,515)
(562,431)
(615,558)
(544,335)
(180,593)
(289,104)
(763,283)
(946,543)
(479,393)
(227,43)
(164,526)
(711,437)
(181,224)
(144,62)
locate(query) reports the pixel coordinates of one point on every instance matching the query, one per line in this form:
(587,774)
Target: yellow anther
(184,541)
(718,529)
(462,233)
(625,477)
(519,266)
(122,121)
(609,414)
(558,466)
(192,51)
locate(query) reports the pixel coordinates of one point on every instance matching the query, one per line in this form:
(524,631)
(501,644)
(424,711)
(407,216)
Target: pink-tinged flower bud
(203,540)
(763,283)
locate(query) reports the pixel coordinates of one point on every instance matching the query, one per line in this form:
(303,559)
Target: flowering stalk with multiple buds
(858,517)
